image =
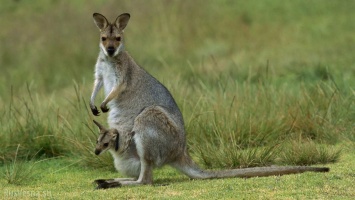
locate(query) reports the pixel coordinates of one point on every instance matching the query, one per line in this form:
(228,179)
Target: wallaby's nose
(110,51)
(97,152)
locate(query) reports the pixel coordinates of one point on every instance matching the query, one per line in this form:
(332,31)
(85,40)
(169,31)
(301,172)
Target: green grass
(258,82)
(61,179)
(19,171)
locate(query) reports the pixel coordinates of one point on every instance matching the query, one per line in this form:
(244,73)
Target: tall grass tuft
(20,171)
(255,127)
(308,152)
(32,124)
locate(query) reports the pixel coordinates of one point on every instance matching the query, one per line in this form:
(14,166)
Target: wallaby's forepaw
(105,184)
(104,108)
(95,111)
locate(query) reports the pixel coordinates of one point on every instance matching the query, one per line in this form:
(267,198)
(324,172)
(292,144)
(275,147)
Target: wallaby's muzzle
(110,51)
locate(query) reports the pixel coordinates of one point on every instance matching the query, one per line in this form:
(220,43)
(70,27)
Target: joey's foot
(105,184)
(104,108)
(95,111)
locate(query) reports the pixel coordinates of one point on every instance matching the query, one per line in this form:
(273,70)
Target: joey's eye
(118,39)
(97,142)
(106,145)
(103,38)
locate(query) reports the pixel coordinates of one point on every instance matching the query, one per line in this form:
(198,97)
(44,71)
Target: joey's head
(108,139)
(111,34)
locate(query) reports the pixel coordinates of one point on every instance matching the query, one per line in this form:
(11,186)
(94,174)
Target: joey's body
(146,125)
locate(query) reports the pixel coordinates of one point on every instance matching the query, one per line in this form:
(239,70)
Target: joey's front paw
(104,108)
(95,111)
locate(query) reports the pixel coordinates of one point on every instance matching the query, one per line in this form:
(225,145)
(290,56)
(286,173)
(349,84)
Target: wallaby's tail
(266,171)
(187,166)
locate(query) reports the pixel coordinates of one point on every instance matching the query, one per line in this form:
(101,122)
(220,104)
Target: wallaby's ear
(117,145)
(99,125)
(122,21)
(100,21)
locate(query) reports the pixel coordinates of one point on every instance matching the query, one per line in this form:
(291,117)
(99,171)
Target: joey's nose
(110,51)
(97,152)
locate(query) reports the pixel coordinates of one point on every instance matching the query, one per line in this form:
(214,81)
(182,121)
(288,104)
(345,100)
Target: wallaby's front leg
(114,93)
(97,86)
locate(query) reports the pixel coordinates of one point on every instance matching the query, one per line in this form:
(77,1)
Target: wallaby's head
(111,34)
(108,138)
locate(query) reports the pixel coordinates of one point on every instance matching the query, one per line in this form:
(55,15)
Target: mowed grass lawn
(58,179)
(259,83)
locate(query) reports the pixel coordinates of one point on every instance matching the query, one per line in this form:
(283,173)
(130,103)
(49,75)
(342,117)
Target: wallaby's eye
(118,39)
(103,38)
(106,145)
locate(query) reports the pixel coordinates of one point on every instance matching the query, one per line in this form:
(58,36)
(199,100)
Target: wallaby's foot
(99,181)
(118,182)
(104,108)
(105,184)
(95,111)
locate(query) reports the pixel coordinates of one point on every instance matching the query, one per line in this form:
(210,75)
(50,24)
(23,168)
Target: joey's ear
(117,145)
(100,21)
(122,21)
(99,125)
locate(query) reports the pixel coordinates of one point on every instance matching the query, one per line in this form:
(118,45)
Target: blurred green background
(252,78)
(48,44)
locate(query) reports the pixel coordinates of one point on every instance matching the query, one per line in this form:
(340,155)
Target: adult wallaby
(155,141)
(129,89)
(146,125)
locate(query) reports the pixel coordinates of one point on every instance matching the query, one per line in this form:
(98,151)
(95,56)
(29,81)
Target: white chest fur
(109,73)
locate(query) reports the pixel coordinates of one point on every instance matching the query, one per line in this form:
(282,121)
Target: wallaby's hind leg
(145,177)
(158,141)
